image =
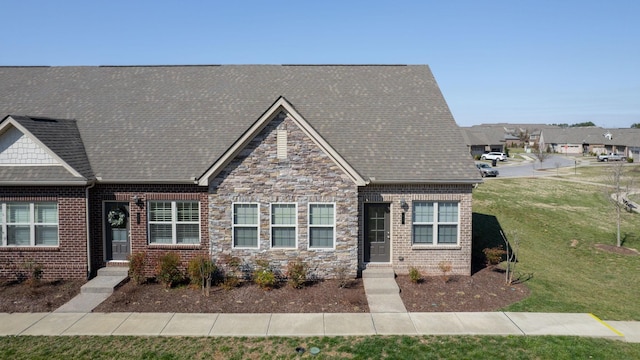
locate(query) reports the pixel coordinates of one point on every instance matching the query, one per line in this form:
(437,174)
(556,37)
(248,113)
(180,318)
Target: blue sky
(517,61)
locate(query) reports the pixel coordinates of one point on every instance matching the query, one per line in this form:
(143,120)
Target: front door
(377,233)
(116,230)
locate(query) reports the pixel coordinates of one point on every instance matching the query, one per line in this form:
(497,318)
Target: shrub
(494,255)
(200,270)
(629,160)
(414,275)
(264,276)
(35,270)
(445,267)
(297,274)
(342,275)
(231,266)
(137,263)
(168,270)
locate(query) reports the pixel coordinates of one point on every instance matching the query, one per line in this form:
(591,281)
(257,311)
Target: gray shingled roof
(62,137)
(172,123)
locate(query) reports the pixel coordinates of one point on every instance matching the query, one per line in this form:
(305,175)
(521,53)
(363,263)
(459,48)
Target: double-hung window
(245,225)
(174,222)
(29,224)
(322,226)
(283,225)
(435,223)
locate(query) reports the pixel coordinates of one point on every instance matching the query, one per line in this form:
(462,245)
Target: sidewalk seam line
(122,322)
(167,323)
(213,324)
(75,322)
(514,323)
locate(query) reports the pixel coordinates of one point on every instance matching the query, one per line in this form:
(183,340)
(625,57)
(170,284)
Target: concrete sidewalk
(317,324)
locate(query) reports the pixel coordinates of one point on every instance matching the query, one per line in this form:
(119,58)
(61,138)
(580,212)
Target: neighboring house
(339,166)
(496,137)
(596,140)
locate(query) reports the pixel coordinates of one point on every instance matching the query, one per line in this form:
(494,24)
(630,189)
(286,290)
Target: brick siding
(138,231)
(68,259)
(424,257)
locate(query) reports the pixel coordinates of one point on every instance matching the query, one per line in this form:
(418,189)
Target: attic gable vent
(281,138)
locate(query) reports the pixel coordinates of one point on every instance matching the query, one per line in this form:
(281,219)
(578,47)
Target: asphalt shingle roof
(171,123)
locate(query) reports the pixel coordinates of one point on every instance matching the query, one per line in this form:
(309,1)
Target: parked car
(486,170)
(494,156)
(611,157)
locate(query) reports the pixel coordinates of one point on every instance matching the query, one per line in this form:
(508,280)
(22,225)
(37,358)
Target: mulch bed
(484,291)
(621,250)
(323,296)
(44,296)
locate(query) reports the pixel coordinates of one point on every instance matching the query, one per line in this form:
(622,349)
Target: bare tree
(617,191)
(542,155)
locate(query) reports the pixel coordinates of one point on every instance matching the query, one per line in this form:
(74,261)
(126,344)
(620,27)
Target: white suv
(494,156)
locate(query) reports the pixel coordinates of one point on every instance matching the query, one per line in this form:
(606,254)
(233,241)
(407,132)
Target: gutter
(45,183)
(425,182)
(88,216)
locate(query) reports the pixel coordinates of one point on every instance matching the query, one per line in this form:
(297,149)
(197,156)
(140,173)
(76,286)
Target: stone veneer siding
(307,175)
(68,260)
(424,257)
(138,232)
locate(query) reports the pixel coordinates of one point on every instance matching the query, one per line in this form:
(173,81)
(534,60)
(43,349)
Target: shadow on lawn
(486,234)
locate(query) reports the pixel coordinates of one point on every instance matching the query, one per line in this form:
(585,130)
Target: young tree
(619,187)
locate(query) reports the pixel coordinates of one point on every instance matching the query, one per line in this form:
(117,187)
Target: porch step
(383,293)
(114,271)
(96,290)
(378,273)
(108,279)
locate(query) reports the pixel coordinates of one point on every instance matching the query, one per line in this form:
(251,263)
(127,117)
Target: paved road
(532,167)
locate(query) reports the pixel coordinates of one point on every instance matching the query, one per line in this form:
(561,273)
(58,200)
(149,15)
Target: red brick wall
(68,259)
(139,239)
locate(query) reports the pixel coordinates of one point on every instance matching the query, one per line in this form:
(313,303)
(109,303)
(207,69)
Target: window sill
(436,247)
(175,246)
(29,248)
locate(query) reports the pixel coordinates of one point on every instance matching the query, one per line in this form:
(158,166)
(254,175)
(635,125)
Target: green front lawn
(558,223)
(372,347)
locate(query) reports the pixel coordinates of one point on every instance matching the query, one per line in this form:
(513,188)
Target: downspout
(88,216)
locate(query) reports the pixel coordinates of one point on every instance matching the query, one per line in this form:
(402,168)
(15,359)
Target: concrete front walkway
(318,324)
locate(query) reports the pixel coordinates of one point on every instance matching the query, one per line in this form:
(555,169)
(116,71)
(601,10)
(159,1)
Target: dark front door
(377,244)
(116,230)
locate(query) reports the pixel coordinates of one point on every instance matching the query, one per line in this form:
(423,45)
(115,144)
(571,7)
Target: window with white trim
(245,225)
(174,222)
(322,225)
(29,224)
(435,223)
(283,225)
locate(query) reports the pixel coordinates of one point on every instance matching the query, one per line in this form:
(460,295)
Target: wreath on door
(116,217)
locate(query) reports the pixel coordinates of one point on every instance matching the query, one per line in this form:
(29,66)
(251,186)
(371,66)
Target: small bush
(168,270)
(35,270)
(200,270)
(231,268)
(414,275)
(342,275)
(629,160)
(264,276)
(137,263)
(445,267)
(494,255)
(297,274)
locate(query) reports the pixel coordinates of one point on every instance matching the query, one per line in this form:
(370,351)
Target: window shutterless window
(245,225)
(435,223)
(29,224)
(283,225)
(174,222)
(322,226)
